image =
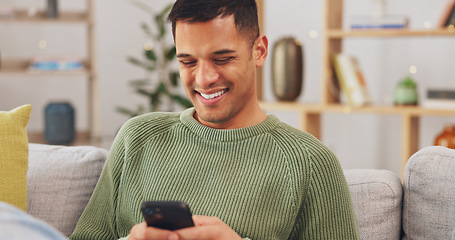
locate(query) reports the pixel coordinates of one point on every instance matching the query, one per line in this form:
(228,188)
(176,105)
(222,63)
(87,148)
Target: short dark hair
(245,14)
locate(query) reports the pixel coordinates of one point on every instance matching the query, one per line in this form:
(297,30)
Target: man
(244,174)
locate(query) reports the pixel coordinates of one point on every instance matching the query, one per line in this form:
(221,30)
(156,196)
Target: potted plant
(160,85)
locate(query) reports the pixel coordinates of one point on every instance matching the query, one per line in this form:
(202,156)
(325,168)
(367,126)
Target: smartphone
(171,215)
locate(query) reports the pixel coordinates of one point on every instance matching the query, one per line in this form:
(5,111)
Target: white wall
(360,141)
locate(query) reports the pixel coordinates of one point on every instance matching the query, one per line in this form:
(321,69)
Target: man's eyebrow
(182,55)
(224,51)
(220,52)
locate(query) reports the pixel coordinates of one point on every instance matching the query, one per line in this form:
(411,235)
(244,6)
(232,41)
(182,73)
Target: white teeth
(213,95)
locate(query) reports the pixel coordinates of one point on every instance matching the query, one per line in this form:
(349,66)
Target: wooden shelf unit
(22,16)
(20,67)
(310,115)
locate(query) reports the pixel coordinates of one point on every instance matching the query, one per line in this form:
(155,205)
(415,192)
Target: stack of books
(439,99)
(45,63)
(378,22)
(351,80)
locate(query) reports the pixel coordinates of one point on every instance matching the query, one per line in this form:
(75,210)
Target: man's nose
(206,75)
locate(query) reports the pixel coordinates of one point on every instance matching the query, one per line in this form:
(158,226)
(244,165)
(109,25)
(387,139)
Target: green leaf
(139,83)
(162,88)
(174,77)
(161,24)
(166,10)
(170,53)
(142,64)
(143,6)
(154,101)
(128,112)
(144,92)
(183,101)
(145,27)
(150,55)
(135,61)
(160,20)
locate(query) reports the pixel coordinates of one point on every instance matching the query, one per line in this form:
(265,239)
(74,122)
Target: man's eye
(188,63)
(222,61)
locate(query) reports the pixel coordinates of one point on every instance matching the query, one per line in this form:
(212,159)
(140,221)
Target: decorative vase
(287,69)
(52,9)
(406,92)
(59,123)
(446,138)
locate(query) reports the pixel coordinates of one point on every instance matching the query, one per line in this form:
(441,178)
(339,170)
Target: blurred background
(359,140)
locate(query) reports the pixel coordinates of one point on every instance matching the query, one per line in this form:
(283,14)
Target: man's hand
(207,228)
(142,232)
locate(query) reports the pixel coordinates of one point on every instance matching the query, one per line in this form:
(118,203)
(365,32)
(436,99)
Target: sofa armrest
(60,182)
(377,199)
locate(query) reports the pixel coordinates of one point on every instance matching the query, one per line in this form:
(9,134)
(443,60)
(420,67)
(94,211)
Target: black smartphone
(171,215)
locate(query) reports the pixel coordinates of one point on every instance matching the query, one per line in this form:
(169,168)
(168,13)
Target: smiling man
(218,67)
(243,173)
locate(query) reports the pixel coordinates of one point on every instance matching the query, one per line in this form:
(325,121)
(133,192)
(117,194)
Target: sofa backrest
(429,194)
(377,199)
(60,181)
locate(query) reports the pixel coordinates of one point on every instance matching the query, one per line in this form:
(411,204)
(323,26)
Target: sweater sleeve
(327,210)
(98,221)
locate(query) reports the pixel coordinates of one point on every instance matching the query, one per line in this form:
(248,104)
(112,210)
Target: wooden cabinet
(20,67)
(310,114)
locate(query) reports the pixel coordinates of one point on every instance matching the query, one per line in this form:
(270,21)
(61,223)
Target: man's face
(217,67)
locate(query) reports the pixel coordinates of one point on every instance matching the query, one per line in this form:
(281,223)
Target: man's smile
(213,95)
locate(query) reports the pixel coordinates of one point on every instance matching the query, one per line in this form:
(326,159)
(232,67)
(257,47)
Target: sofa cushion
(429,194)
(377,198)
(14,156)
(60,182)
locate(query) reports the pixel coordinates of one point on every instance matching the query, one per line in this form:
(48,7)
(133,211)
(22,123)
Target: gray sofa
(61,180)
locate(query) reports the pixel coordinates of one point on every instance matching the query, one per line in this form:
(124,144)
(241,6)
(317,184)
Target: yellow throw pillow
(14,156)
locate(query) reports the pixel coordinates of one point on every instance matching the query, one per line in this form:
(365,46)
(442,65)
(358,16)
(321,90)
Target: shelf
(21,16)
(340,108)
(20,67)
(83,138)
(38,137)
(338,34)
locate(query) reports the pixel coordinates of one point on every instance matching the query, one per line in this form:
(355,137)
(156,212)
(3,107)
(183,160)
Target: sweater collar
(226,135)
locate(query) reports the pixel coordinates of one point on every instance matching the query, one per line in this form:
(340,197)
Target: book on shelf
(378,22)
(439,99)
(351,80)
(447,16)
(50,63)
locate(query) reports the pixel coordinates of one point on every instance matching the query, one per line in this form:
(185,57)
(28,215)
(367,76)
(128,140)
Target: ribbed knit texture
(268,181)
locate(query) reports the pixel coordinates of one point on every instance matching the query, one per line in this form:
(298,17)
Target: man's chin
(209,117)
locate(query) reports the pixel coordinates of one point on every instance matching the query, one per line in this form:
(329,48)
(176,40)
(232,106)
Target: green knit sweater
(268,181)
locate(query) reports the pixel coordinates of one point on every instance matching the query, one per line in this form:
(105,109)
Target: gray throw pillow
(60,181)
(377,198)
(429,194)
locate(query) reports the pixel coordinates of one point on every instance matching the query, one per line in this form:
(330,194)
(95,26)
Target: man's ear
(260,50)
